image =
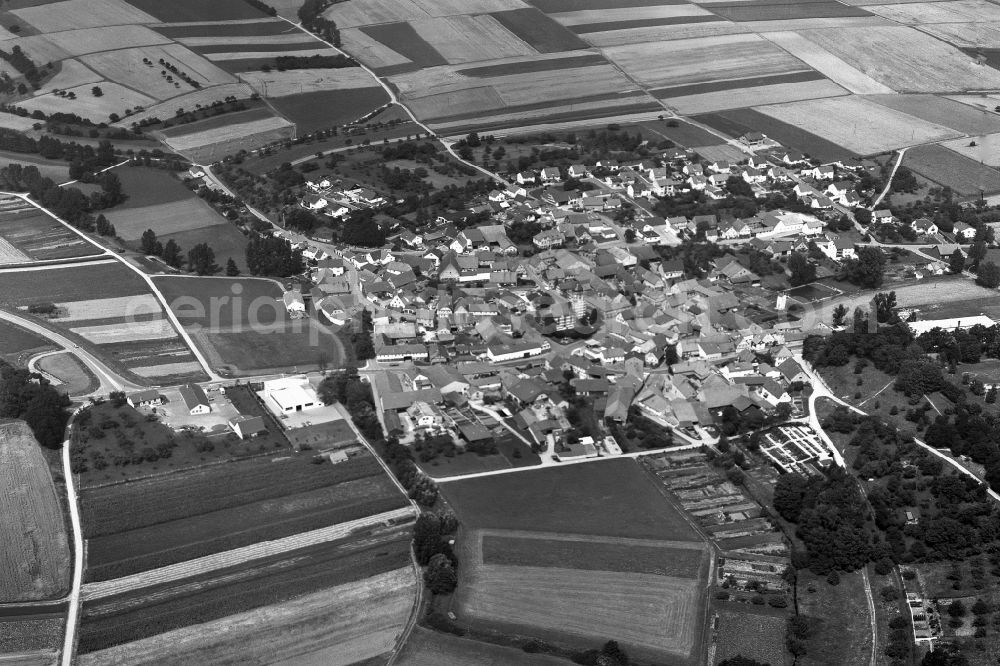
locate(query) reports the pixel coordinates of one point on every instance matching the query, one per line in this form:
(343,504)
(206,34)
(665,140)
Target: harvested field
(470,100)
(371,51)
(746,11)
(226,241)
(777,93)
(587,28)
(426,647)
(72,73)
(296,38)
(16,122)
(595,492)
(826,63)
(103,308)
(554,6)
(311,111)
(34,553)
(986,150)
(178,11)
(942,111)
(905,59)
(702,60)
(75,14)
(75,377)
(116,99)
(126,331)
(165,219)
(249,28)
(346,624)
(407,43)
(613,15)
(859,125)
(946,167)
(966,35)
(651,613)
(369,12)
(126,67)
(524,549)
(71,43)
(755,634)
(665,33)
(291,82)
(740,121)
(461,39)
(559,85)
(956,11)
(539,31)
(211,145)
(451,7)
(685,134)
(105,278)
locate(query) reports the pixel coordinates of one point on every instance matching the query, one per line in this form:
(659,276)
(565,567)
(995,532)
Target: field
(75,377)
(857,124)
(946,167)
(178,11)
(127,67)
(116,99)
(942,111)
(71,43)
(737,122)
(433,648)
(189,100)
(104,278)
(210,304)
(842,633)
(73,14)
(965,35)
(72,73)
(35,640)
(211,145)
(827,64)
(291,82)
(226,241)
(262,27)
(192,514)
(311,111)
(758,635)
(352,620)
(575,571)
(510,501)
(702,60)
(55,169)
(905,59)
(34,553)
(157,200)
(986,151)
(776,92)
(17,343)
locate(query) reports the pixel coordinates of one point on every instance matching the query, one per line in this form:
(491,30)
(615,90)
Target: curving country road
(108,379)
(72,615)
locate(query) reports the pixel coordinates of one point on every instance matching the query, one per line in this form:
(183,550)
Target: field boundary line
(235,557)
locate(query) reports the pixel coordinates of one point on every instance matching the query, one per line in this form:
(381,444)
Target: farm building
(146,398)
(290,394)
(246,427)
(195,399)
(294,303)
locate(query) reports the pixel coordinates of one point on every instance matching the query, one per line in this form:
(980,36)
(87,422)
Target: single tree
(172,254)
(232,270)
(149,243)
(201,260)
(839,315)
(440,575)
(956,264)
(988,275)
(96,91)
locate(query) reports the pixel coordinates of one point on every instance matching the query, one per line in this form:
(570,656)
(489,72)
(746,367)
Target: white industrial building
(290,394)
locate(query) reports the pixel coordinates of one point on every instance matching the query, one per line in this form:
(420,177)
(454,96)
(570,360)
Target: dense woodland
(30,397)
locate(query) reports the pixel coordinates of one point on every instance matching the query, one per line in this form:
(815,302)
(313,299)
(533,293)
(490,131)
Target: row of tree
(200,258)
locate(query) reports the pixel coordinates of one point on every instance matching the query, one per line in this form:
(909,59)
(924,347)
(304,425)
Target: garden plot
(699,60)
(735,98)
(126,331)
(369,50)
(115,99)
(75,14)
(34,550)
(293,82)
(126,66)
(826,63)
(906,59)
(70,43)
(942,111)
(104,308)
(370,12)
(470,38)
(857,124)
(72,73)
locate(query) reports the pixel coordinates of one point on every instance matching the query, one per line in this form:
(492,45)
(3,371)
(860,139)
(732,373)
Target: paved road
(72,616)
